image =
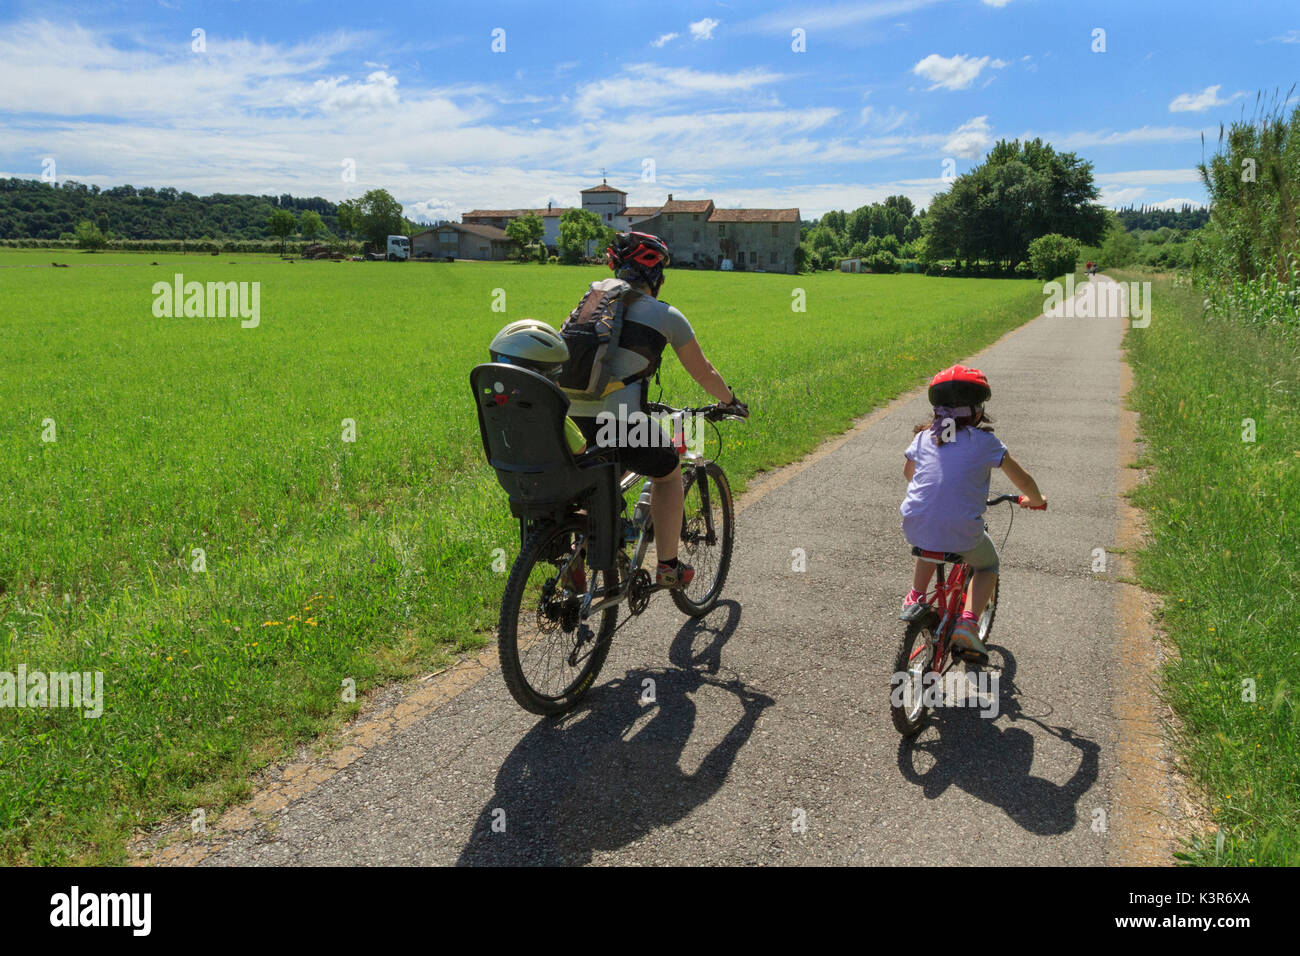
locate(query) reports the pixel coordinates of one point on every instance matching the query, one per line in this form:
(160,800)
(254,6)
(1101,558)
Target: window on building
(773,259)
(696,217)
(696,235)
(740,257)
(722,230)
(608,217)
(670,217)
(774,233)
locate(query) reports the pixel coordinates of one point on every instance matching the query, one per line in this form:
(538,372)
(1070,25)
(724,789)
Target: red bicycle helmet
(959,385)
(639,257)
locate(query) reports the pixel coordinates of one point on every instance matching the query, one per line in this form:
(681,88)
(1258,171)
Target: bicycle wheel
(907,686)
(707,536)
(990,611)
(549,658)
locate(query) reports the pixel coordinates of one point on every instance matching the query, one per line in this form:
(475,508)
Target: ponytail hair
(964,416)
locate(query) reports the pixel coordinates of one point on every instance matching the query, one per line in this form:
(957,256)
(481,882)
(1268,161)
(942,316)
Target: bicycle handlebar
(713,413)
(1018,499)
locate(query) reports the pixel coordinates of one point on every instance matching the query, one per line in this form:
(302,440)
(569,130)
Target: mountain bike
(559,613)
(926,648)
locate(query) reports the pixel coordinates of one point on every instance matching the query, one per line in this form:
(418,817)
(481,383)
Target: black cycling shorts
(653,461)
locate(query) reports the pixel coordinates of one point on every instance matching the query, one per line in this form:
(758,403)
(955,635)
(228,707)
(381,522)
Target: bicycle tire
(907,722)
(991,612)
(692,601)
(536,700)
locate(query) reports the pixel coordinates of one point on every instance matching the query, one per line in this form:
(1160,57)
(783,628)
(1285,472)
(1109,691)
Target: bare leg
(666,506)
(981,589)
(922,574)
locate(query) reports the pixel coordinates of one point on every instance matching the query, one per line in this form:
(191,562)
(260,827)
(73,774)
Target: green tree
(527,232)
(348,217)
(89,237)
(577,228)
(1020,192)
(311,224)
(281,223)
(1053,255)
(377,216)
(1119,248)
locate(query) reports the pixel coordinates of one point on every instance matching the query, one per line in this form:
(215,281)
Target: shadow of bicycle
(993,762)
(611,772)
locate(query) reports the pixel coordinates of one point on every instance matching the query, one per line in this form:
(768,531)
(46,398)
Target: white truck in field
(399,248)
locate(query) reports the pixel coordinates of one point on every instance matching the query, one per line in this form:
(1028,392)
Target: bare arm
(1022,480)
(909,468)
(701,369)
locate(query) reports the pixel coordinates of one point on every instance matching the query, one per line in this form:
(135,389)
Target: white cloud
(1086,139)
(1148,177)
(834,16)
(1197,102)
(971,140)
(1179,203)
(703,29)
(953,72)
(883,121)
(1291,36)
(664,39)
(996,3)
(646,84)
(379,90)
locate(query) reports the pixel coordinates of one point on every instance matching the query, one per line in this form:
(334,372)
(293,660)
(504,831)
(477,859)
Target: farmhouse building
(698,233)
(461,241)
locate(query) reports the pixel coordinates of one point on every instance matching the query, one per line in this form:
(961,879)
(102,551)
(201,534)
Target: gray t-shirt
(658,321)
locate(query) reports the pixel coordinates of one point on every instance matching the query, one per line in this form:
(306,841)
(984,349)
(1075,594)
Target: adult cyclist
(648,325)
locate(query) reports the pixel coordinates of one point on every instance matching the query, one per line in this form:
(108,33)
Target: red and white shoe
(674,578)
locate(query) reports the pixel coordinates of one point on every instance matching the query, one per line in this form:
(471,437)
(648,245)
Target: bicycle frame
(948,599)
(688,460)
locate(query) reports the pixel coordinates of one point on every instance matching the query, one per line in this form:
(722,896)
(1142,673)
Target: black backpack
(592,333)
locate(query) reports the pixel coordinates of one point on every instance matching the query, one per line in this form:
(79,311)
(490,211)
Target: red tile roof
(604,188)
(688,205)
(640,212)
(494,214)
(755,215)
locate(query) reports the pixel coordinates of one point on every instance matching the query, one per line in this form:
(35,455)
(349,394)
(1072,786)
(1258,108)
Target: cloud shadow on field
(579,784)
(993,762)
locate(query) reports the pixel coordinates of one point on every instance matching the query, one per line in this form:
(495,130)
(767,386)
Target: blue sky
(697,99)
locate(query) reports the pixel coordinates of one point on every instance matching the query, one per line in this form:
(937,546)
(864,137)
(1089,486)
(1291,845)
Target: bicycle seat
(938,557)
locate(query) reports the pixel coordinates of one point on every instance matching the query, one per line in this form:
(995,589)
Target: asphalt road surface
(769,740)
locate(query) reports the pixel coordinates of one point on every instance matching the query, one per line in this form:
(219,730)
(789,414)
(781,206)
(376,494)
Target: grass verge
(1220,415)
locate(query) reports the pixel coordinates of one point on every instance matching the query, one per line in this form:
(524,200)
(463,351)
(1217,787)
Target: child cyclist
(947,469)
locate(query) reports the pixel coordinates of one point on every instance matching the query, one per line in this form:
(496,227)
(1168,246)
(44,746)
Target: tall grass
(1247,260)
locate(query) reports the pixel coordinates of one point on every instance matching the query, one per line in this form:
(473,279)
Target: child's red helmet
(958,386)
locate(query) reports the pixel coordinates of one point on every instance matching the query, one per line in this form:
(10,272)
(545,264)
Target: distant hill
(31,209)
(1150,217)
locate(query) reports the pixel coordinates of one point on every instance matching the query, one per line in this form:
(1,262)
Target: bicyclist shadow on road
(612,771)
(993,763)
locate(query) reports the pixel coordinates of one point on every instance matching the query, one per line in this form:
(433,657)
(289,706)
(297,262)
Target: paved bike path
(773,711)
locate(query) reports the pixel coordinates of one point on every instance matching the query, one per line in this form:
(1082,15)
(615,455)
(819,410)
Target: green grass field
(325,559)
(1224,516)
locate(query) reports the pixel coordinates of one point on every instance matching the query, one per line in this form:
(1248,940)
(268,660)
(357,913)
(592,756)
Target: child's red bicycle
(926,652)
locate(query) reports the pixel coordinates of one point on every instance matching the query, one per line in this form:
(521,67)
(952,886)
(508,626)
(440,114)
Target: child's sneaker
(675,576)
(913,604)
(965,637)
